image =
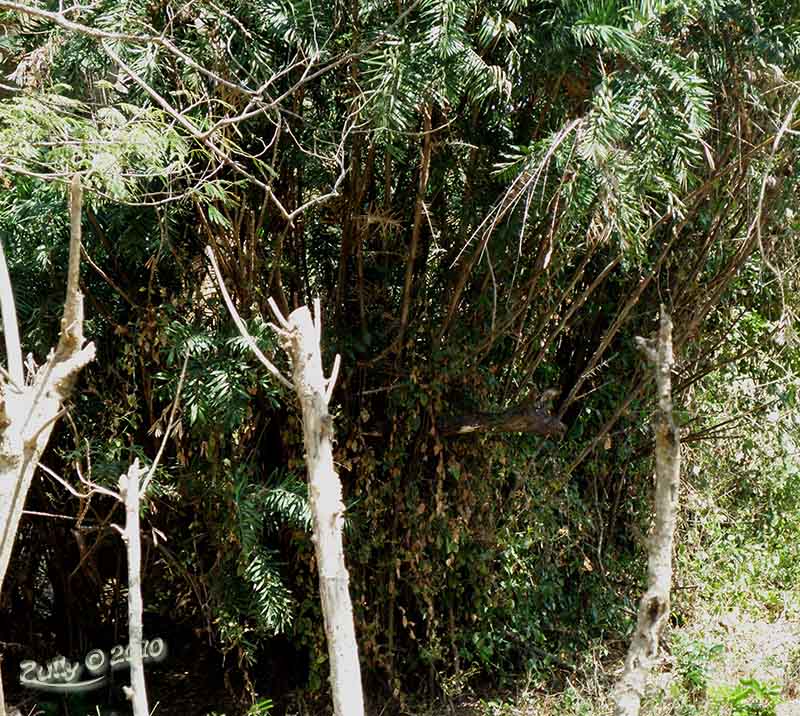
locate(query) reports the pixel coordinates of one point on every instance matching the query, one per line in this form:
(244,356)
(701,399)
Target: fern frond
(273,601)
(600,25)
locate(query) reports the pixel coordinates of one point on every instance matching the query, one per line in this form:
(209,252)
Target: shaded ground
(189,683)
(717,651)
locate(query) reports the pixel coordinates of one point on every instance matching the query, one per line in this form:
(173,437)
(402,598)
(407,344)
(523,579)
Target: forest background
(491,199)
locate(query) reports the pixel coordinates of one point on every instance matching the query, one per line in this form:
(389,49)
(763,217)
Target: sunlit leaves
(446,21)
(297,24)
(493,27)
(601,24)
(115,147)
(437,60)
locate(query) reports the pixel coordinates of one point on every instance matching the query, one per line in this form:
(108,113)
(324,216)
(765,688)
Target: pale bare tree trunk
(301,340)
(655,603)
(2,694)
(300,335)
(129,490)
(29,411)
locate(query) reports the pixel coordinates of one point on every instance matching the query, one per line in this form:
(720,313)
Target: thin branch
(240,323)
(31,440)
(106,277)
(35,513)
(170,425)
(59,19)
(71,337)
(317,320)
(284,324)
(422,189)
(331,383)
(755,225)
(82,495)
(7,375)
(196,134)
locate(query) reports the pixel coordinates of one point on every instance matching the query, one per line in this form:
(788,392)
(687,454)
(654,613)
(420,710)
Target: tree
(490,199)
(301,337)
(30,405)
(654,606)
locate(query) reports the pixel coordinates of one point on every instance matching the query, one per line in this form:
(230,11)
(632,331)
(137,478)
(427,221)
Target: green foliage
(588,160)
(260,708)
(750,697)
(742,522)
(691,662)
(433,58)
(220,380)
(116,147)
(600,24)
(254,601)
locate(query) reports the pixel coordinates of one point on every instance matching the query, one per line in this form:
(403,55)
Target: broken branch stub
(655,603)
(28,411)
(301,340)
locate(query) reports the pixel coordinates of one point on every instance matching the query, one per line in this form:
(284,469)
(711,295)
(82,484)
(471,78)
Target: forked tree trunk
(301,340)
(655,603)
(28,411)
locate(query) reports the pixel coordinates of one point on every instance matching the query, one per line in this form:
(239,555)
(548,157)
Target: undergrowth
(732,647)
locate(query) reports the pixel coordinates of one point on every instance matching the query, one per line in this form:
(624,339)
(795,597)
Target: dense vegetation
(491,199)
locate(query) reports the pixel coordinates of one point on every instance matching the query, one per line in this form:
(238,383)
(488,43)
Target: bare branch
(331,382)
(755,225)
(422,188)
(59,19)
(278,315)
(317,318)
(71,337)
(170,425)
(93,488)
(106,277)
(240,323)
(189,126)
(30,440)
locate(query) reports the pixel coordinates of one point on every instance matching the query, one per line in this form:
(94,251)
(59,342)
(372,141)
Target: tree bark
(655,603)
(2,693)
(29,412)
(301,340)
(129,489)
(300,336)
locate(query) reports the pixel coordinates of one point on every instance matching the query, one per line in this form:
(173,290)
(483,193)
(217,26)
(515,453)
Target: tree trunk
(300,336)
(655,603)
(2,693)
(129,489)
(29,412)
(301,341)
